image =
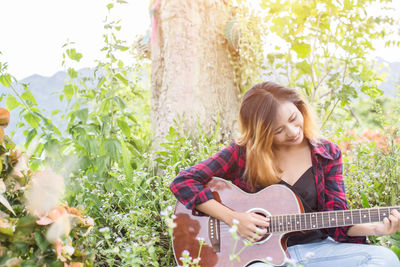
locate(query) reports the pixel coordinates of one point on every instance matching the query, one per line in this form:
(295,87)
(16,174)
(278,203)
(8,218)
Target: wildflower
(233,229)
(185,253)
(200,239)
(291,261)
(268,259)
(164,213)
(104,229)
(235,221)
(169,208)
(309,255)
(118,239)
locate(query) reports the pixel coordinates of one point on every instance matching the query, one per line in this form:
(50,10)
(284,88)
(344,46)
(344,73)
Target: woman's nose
(292,132)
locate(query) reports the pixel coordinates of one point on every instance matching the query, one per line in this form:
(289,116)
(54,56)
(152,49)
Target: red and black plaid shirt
(230,162)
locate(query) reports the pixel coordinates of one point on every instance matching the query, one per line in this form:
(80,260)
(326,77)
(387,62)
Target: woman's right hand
(251,226)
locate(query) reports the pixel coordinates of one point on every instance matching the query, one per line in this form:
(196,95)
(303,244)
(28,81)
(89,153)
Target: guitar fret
(336,218)
(344,221)
(369,215)
(313,220)
(365,217)
(351,214)
(292,222)
(302,225)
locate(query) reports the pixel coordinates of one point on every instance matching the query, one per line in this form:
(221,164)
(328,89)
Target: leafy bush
(372,172)
(35,229)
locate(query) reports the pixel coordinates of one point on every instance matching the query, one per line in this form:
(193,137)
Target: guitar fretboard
(319,220)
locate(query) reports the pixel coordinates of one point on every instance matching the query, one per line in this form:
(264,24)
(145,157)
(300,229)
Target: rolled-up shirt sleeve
(188,186)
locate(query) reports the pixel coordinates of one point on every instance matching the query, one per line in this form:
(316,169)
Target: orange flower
(4,118)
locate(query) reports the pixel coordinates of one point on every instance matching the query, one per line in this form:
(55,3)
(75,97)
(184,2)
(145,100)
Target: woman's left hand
(390,225)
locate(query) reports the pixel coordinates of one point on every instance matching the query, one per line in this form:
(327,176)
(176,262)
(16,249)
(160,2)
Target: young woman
(278,144)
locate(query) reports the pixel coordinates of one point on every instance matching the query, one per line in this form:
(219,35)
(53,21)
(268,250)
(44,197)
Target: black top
(306,190)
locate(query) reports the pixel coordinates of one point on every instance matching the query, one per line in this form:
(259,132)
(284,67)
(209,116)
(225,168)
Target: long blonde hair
(257,113)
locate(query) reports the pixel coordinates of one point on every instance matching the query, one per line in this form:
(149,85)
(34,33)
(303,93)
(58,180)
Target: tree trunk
(192,78)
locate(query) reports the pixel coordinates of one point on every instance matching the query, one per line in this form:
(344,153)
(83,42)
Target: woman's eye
(278,132)
(293,119)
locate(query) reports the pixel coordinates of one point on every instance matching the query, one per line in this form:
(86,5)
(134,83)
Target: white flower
(164,213)
(169,208)
(309,255)
(185,253)
(233,229)
(173,216)
(290,261)
(200,239)
(235,221)
(118,239)
(104,229)
(268,259)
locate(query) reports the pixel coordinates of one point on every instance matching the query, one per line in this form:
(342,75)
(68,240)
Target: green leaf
(72,54)
(123,125)
(101,82)
(302,49)
(32,133)
(126,156)
(32,120)
(41,241)
(5,203)
(365,202)
(304,67)
(12,102)
(28,96)
(6,228)
(113,148)
(122,79)
(5,80)
(82,114)
(72,73)
(123,48)
(69,90)
(371,90)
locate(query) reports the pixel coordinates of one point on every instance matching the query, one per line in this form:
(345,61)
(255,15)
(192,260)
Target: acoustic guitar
(277,202)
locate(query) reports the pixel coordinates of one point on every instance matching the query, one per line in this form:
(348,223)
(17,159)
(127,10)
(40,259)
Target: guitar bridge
(214,234)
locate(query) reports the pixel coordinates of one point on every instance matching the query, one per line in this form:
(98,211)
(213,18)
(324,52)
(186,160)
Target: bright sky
(32,32)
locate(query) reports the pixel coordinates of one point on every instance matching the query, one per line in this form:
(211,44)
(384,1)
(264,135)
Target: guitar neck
(327,219)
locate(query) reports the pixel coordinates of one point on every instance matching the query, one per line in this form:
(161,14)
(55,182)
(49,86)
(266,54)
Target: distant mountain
(46,91)
(389,86)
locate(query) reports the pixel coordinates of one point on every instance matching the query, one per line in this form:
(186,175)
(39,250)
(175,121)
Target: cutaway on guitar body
(274,200)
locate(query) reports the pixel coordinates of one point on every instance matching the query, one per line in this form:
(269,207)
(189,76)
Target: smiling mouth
(296,138)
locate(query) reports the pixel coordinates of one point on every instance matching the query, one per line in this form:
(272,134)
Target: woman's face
(288,127)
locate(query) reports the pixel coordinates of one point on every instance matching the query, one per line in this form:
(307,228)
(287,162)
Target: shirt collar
(318,148)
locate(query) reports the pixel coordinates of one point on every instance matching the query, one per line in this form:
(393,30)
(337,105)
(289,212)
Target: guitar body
(273,200)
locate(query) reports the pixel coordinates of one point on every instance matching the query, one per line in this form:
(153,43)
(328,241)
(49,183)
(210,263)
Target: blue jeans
(329,253)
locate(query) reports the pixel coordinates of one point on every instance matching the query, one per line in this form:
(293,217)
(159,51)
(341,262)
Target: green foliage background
(105,151)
